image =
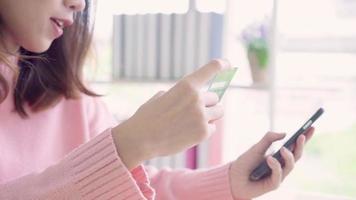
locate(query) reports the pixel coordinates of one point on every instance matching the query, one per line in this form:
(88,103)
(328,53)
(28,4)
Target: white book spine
(155,162)
(151,46)
(166,161)
(140,51)
(129,28)
(117,46)
(189,43)
(203,154)
(180,160)
(178,45)
(203,39)
(165,42)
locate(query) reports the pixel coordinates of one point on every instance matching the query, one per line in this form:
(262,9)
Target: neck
(8,50)
(8,44)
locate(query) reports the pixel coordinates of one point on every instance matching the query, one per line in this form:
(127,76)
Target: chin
(38,47)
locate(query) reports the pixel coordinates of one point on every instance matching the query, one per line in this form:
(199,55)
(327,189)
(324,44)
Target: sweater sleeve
(92,171)
(182,184)
(169,184)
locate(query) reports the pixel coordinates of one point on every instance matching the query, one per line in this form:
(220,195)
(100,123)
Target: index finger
(204,74)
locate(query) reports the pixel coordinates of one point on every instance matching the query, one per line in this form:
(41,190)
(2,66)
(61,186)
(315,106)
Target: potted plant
(255,39)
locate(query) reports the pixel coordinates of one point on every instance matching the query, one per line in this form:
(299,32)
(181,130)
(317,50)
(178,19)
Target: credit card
(222,81)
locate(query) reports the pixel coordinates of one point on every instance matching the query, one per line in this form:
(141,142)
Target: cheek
(30,29)
(35,38)
(32,35)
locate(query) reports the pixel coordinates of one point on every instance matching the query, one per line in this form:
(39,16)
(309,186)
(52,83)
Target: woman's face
(34,24)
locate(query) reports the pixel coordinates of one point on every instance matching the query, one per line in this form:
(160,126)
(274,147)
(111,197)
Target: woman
(58,141)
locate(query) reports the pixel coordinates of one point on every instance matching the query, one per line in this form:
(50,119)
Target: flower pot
(259,74)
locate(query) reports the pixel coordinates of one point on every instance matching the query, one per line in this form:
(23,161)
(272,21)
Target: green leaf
(260,48)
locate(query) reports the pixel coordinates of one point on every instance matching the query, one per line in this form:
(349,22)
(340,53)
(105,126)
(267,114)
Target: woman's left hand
(241,186)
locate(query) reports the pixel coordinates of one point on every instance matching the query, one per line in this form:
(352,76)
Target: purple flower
(255,31)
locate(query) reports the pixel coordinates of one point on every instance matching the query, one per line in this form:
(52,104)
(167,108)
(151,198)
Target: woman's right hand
(171,121)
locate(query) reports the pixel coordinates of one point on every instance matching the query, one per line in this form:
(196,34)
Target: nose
(75,5)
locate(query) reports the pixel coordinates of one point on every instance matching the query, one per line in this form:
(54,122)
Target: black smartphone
(263,170)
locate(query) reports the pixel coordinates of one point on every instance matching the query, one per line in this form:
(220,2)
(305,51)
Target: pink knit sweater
(67,152)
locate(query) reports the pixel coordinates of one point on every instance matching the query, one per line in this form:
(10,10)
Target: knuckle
(186,85)
(192,94)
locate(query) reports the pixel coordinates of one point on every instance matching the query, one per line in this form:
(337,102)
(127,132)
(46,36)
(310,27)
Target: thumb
(262,146)
(204,74)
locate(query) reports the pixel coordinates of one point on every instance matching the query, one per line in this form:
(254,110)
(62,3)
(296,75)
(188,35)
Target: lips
(57,28)
(59,24)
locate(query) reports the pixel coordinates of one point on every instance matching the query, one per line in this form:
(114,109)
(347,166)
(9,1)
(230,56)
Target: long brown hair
(45,78)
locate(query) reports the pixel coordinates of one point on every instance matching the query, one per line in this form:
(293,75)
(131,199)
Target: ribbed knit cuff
(142,180)
(212,184)
(99,173)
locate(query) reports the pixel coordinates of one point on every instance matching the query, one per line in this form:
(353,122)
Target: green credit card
(222,81)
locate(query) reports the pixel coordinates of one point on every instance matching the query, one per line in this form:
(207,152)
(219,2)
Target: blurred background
(293,57)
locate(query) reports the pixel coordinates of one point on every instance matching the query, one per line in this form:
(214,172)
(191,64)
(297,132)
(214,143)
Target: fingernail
(303,137)
(224,63)
(284,149)
(271,159)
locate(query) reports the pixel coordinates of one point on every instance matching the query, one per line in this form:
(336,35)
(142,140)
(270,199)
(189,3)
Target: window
(315,66)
